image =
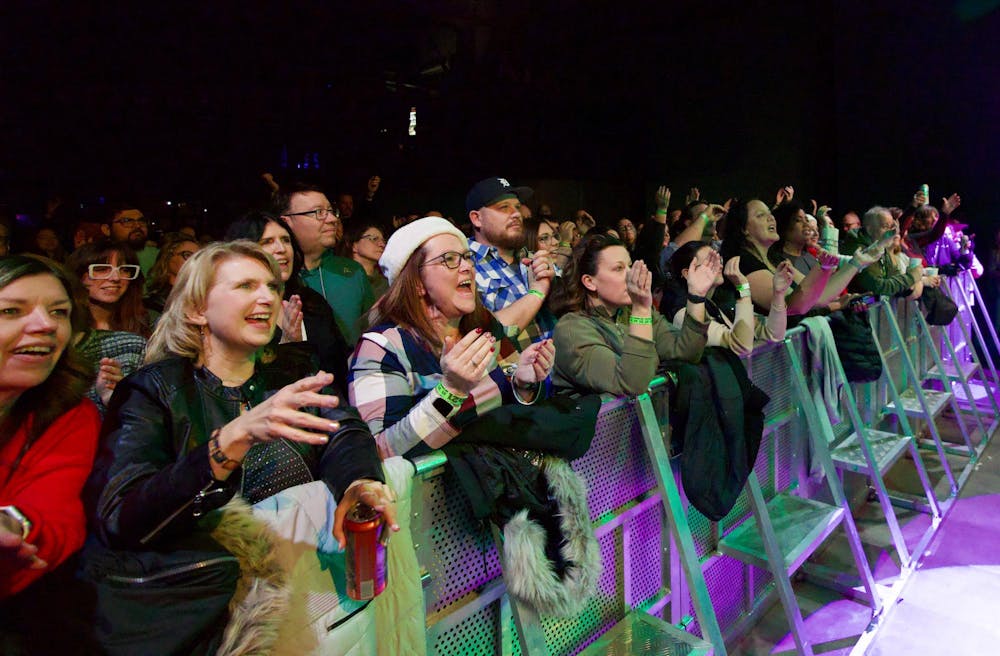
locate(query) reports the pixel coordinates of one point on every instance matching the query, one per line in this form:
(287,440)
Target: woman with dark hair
(305,314)
(46,243)
(365,244)
(435,358)
(609,338)
(176,249)
(209,417)
(111,275)
(48,436)
(794,230)
(543,235)
(736,327)
(751,231)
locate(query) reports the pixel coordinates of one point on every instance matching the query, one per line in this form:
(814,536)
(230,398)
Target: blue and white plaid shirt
(500,284)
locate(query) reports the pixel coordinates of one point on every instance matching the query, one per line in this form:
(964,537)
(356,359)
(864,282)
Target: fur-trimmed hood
(529,574)
(262,596)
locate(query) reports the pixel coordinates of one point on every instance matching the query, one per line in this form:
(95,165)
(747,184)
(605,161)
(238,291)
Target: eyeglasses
(131,222)
(375,239)
(451,259)
(320,213)
(105,271)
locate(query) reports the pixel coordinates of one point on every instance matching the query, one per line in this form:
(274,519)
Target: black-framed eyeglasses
(320,213)
(131,221)
(105,271)
(451,259)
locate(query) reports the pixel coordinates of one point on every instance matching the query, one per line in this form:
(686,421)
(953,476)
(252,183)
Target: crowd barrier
(468,611)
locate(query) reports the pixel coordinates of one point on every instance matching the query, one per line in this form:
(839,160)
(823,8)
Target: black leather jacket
(152,478)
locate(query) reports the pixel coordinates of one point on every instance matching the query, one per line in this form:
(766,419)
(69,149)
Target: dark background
(854,103)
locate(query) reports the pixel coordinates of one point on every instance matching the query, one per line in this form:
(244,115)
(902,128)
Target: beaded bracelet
(640,321)
(453,399)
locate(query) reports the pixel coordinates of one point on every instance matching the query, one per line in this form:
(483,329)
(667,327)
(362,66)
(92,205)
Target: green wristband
(535,292)
(453,399)
(641,321)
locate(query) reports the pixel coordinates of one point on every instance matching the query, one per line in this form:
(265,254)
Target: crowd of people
(147,383)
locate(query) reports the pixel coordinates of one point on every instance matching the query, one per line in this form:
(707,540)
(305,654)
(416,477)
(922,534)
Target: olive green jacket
(594,351)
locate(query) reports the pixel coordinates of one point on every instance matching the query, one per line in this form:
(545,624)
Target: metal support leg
(674,514)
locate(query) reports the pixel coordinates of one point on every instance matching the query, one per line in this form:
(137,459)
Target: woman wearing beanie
(435,358)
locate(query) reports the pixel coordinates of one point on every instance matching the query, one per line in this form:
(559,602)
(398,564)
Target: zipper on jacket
(196,501)
(173,571)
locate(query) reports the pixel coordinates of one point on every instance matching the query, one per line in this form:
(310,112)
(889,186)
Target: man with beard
(126,224)
(513,286)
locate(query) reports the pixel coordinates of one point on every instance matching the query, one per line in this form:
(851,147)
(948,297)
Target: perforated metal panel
(569,636)
(461,563)
(615,467)
(463,558)
(474,635)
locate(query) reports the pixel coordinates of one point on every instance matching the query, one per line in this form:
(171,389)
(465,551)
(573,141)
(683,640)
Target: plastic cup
(931,271)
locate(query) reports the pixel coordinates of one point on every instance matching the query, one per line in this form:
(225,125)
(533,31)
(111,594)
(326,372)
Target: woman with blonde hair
(209,416)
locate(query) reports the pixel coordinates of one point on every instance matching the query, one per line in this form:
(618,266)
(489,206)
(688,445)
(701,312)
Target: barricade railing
(468,611)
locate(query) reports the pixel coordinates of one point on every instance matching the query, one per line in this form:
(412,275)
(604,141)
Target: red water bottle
(365,553)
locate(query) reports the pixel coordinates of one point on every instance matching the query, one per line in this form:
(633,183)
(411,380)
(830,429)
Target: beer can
(365,555)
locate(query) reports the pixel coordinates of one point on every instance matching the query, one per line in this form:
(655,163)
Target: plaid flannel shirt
(500,284)
(391,382)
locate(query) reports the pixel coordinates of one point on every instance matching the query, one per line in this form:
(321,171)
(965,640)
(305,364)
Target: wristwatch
(19,517)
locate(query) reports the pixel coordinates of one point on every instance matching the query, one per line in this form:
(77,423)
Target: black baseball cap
(489,191)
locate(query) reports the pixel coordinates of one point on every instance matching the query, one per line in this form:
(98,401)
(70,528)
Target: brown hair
(130,314)
(572,296)
(72,376)
(404,305)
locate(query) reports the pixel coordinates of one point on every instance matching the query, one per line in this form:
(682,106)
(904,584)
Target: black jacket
(718,414)
(153,474)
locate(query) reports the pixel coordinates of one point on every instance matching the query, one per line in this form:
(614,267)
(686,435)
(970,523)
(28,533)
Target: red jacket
(46,487)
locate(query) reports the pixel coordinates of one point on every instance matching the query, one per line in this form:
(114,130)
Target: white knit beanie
(409,238)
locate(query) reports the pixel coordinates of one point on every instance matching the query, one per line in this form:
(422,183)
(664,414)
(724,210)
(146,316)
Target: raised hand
(281,415)
(464,362)
(784,195)
(535,363)
(108,376)
(950,204)
(540,271)
(732,271)
(693,194)
(639,282)
(919,198)
(865,257)
(566,230)
(823,216)
(701,275)
(783,277)
(662,197)
(290,319)
(828,260)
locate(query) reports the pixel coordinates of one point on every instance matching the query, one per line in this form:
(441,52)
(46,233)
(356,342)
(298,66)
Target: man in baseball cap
(513,283)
